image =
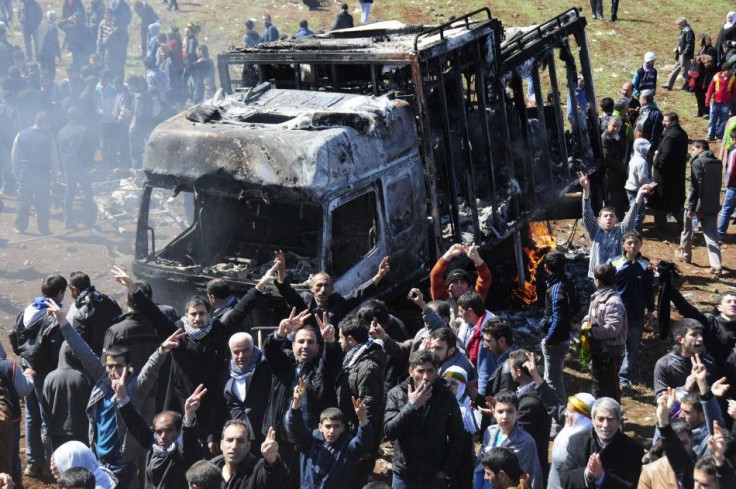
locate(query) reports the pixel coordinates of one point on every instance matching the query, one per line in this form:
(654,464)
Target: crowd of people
(139,395)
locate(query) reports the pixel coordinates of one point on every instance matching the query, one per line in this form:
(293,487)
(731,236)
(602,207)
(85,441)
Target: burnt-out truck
(382,140)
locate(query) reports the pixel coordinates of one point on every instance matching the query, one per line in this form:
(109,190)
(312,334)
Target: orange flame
(544,242)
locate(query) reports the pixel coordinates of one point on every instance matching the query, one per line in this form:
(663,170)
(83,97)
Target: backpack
(33,343)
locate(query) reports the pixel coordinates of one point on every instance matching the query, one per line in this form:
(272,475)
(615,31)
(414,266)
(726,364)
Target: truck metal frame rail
(491,163)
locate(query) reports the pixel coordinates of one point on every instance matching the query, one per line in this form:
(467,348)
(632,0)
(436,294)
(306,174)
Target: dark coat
(343,21)
(31,15)
(338,306)
(226,404)
(668,171)
(135,332)
(428,439)
(66,391)
(561,302)
(47,38)
(621,460)
(163,472)
(320,375)
(533,417)
(706,176)
(253,473)
(196,362)
(363,379)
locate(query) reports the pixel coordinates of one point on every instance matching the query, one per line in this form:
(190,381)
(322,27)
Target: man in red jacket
(457,282)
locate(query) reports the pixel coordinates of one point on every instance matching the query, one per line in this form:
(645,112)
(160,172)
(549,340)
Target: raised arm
(163,326)
(589,221)
(133,420)
(292,298)
(248,302)
(91,362)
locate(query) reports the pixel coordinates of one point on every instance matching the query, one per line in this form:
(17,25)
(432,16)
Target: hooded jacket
(638,166)
(706,172)
(362,377)
(41,352)
(66,391)
(607,315)
(138,386)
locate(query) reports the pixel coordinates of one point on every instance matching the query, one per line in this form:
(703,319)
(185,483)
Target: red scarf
(475,340)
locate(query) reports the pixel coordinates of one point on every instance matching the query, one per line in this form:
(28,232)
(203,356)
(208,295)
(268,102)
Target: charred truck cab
(382,140)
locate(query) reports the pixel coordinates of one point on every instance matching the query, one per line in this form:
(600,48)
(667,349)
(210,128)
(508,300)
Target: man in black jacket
(362,377)
(604,456)
(684,53)
(167,458)
(200,358)
(321,298)
(240,469)
(703,202)
(298,351)
(243,388)
(668,172)
(423,420)
(92,312)
(533,416)
(343,20)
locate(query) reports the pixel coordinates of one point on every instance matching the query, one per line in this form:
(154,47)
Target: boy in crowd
(606,325)
(561,302)
(507,433)
(605,234)
(329,458)
(501,468)
(635,285)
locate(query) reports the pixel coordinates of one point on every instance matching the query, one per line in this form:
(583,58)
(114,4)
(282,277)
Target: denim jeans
(399,482)
(38,442)
(365,11)
(630,366)
(729,206)
(717,121)
(554,364)
(79,175)
(596,7)
(34,188)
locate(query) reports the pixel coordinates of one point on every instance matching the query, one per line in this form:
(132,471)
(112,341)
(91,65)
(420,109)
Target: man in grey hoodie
(638,176)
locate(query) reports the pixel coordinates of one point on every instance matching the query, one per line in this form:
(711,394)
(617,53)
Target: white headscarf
(76,454)
(580,423)
(459,374)
(728,24)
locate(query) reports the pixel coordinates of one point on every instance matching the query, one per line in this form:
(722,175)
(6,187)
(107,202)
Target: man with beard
(298,351)
(668,171)
(603,454)
(361,377)
(203,352)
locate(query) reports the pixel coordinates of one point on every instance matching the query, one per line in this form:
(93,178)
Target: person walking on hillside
(703,201)
(365,10)
(684,53)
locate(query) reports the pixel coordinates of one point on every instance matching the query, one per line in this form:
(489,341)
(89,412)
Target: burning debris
(544,242)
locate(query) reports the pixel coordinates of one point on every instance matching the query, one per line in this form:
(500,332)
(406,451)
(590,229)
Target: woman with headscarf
(727,33)
(457,380)
(77,454)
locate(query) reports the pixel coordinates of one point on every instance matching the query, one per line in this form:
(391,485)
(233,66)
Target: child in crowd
(507,433)
(329,456)
(606,326)
(635,285)
(638,176)
(605,235)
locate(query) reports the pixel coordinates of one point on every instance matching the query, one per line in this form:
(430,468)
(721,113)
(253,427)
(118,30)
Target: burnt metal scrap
(380,140)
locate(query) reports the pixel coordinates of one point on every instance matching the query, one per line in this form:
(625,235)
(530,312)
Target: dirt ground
(27,258)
